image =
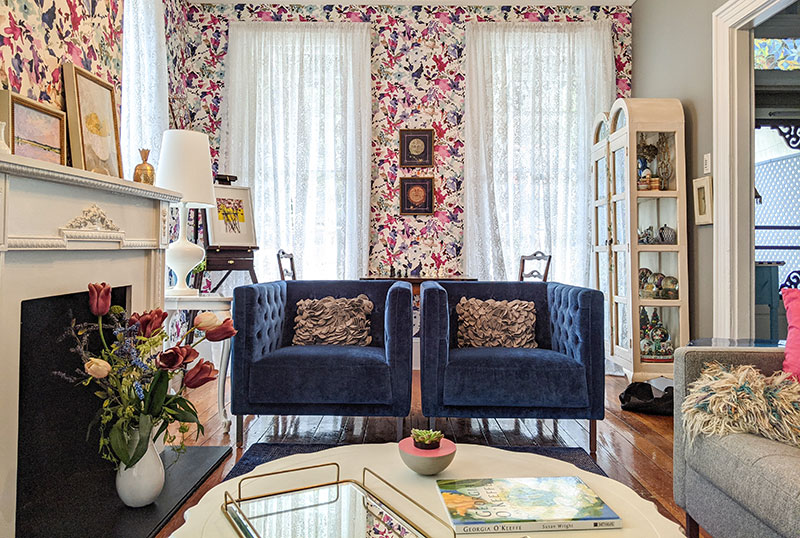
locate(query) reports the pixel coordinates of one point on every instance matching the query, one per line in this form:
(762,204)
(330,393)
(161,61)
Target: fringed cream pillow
(742,400)
(333,322)
(493,323)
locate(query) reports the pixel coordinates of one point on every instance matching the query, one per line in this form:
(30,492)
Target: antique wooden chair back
(535,273)
(287,273)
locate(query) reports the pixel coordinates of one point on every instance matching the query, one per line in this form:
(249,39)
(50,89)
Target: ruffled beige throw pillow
(493,323)
(333,322)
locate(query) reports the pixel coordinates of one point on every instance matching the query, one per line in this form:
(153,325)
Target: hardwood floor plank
(467,430)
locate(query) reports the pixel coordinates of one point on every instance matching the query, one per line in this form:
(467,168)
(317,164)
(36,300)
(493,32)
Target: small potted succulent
(426,439)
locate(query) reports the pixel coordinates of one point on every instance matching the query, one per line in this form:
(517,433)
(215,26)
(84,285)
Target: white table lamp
(185,167)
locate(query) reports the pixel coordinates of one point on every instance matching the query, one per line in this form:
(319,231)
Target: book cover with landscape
(496,505)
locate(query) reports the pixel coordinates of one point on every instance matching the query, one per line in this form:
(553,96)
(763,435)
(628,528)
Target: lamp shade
(185,166)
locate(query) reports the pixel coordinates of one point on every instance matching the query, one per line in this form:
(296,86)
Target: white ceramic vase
(4,149)
(141,484)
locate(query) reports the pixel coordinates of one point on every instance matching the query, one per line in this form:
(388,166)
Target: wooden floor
(632,448)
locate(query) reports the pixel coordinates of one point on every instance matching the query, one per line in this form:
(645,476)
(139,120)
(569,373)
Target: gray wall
(672,58)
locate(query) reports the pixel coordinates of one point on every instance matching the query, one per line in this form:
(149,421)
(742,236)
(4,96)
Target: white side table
(222,307)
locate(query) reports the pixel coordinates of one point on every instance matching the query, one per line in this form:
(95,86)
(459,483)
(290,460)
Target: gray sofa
(739,485)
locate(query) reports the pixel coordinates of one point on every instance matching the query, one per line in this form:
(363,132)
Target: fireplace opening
(60,474)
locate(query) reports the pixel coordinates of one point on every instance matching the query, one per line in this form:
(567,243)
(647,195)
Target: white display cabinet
(640,254)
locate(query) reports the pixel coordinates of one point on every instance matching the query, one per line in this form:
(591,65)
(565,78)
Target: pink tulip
(201,374)
(99,299)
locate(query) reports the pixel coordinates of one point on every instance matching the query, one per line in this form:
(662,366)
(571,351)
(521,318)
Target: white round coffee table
(639,517)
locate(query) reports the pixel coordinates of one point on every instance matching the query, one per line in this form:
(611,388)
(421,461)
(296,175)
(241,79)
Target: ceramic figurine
(667,235)
(646,346)
(647,236)
(666,348)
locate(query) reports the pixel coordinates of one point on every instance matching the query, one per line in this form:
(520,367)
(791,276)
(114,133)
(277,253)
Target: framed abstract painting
(416,195)
(92,121)
(416,148)
(230,223)
(33,129)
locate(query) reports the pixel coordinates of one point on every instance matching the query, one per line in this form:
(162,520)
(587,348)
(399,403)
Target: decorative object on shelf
(665,167)
(645,153)
(33,130)
(144,171)
(703,201)
(667,235)
(647,236)
(427,461)
(93,123)
(426,439)
(231,222)
(416,195)
(643,184)
(656,286)
(669,288)
(185,166)
(655,183)
(225,179)
(655,342)
(416,148)
(132,375)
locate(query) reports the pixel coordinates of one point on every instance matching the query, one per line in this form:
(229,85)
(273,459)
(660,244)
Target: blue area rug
(263,452)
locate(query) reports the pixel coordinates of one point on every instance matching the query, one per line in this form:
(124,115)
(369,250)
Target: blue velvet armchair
(270,376)
(562,378)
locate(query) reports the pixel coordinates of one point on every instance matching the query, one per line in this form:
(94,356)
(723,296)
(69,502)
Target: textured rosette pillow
(333,322)
(490,323)
(727,400)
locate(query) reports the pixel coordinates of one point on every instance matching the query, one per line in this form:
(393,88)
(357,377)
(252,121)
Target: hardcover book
(498,505)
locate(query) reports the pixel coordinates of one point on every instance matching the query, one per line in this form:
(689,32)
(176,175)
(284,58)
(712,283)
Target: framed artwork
(703,201)
(416,148)
(32,129)
(92,122)
(416,195)
(231,223)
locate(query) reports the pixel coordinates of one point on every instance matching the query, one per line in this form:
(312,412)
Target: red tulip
(149,321)
(99,298)
(221,332)
(175,357)
(201,374)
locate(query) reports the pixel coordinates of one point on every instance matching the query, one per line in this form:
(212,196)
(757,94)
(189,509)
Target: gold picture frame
(93,121)
(33,129)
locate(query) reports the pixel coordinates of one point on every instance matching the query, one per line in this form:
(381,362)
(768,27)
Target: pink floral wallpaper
(418,82)
(36,36)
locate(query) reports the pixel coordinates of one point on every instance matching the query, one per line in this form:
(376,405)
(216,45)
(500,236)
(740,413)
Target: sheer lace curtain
(297,130)
(145,108)
(532,92)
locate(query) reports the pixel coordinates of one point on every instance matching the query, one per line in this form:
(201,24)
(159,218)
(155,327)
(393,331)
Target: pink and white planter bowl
(427,462)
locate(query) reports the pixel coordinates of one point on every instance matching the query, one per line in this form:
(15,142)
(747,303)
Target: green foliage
(426,436)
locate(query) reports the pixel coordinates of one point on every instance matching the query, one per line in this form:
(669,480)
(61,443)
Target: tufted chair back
(501,291)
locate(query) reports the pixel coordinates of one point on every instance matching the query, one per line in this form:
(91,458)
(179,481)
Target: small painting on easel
(231,222)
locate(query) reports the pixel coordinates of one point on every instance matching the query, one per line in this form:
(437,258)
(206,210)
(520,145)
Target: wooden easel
(228,259)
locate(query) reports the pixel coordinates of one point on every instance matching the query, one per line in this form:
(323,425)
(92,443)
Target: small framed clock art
(416,148)
(416,195)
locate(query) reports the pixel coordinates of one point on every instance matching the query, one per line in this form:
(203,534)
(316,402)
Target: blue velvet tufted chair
(562,378)
(270,376)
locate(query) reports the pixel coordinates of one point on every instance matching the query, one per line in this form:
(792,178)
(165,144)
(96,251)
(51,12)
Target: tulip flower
(175,357)
(99,299)
(206,321)
(222,332)
(97,368)
(201,374)
(149,321)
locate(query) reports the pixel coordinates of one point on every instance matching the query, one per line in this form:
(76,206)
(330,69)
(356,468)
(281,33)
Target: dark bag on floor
(644,398)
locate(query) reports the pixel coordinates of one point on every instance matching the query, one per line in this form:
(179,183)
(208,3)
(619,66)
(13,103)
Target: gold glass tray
(331,509)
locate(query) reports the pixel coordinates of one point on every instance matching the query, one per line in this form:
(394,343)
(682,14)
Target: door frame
(733,167)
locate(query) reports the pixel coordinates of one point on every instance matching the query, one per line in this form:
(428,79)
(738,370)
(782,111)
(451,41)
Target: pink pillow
(791,359)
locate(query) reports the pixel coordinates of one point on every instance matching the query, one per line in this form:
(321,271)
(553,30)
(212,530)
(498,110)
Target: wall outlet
(707,163)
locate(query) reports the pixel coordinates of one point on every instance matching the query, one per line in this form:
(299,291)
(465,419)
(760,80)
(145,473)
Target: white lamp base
(182,257)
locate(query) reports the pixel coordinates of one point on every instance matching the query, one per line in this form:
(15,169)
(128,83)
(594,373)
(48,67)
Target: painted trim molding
(732,79)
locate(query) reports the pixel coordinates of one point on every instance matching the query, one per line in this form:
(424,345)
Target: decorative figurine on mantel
(144,171)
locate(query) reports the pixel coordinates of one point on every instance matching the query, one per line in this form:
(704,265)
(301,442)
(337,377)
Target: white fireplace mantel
(61,228)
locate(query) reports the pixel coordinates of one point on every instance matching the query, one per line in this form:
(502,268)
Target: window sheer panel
(145,97)
(531,95)
(297,131)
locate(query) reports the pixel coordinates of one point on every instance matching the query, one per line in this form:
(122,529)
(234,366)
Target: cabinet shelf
(639,134)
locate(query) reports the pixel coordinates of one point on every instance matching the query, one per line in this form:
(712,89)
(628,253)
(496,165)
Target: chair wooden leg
(239,431)
(692,528)
(593,438)
(399,421)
